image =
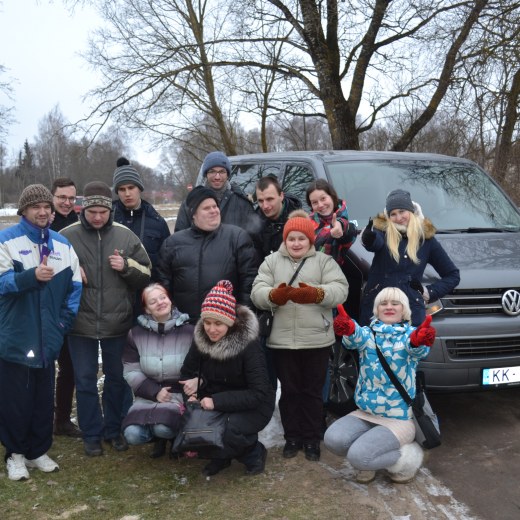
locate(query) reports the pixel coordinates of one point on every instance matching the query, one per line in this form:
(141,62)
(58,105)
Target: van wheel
(343,373)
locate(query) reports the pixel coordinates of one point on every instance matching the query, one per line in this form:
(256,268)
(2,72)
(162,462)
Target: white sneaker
(16,469)
(43,463)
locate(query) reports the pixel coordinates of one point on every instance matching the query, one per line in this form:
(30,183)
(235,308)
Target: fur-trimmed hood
(234,342)
(381,222)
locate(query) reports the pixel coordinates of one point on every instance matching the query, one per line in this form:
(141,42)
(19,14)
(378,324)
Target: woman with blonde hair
(403,242)
(380,434)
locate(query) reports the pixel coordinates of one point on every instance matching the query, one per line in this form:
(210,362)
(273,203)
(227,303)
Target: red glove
(423,334)
(343,324)
(306,294)
(280,295)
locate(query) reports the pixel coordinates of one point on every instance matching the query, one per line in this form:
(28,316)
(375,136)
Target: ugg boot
(406,467)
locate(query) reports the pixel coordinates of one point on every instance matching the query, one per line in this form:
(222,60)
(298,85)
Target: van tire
(343,376)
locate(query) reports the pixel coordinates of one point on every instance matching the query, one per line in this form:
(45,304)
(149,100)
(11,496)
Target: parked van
(478,325)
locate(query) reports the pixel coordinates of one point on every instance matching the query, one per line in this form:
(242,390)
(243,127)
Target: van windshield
(454,196)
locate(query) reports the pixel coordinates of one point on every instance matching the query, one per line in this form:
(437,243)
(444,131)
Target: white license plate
(501,376)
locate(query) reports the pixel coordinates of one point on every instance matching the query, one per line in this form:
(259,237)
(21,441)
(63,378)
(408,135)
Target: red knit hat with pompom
(299,221)
(220,304)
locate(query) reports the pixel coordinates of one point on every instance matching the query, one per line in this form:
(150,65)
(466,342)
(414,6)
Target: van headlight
(433,307)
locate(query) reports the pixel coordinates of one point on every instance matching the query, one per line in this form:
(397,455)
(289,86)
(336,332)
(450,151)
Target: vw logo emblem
(511,302)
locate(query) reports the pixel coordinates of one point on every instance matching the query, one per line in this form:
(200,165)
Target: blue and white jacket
(36,315)
(375,393)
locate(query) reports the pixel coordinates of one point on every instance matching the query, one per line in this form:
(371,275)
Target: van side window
(296,179)
(245,176)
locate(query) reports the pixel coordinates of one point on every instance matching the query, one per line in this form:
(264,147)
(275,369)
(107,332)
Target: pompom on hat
(97,193)
(298,220)
(399,199)
(126,174)
(220,304)
(34,194)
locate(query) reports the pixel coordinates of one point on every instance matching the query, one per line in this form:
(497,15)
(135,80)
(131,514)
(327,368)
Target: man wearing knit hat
(40,288)
(193,260)
(235,207)
(114,267)
(131,210)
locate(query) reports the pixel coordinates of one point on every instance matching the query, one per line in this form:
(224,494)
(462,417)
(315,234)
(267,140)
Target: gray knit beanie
(126,174)
(214,159)
(34,194)
(399,199)
(97,193)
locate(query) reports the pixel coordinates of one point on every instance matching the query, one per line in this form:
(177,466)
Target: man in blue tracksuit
(40,289)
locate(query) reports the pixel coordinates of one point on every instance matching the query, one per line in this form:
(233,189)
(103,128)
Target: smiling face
(321,202)
(207,215)
(297,244)
(390,311)
(64,198)
(215,329)
(38,214)
(157,304)
(217,177)
(129,195)
(400,217)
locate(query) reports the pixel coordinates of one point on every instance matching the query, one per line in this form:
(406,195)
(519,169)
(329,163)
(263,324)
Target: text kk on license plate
(501,376)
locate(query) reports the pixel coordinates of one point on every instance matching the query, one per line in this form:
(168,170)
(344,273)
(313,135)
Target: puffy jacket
(108,297)
(386,272)
(375,393)
(233,370)
(152,359)
(235,208)
(192,261)
(35,315)
(271,235)
(298,326)
(147,224)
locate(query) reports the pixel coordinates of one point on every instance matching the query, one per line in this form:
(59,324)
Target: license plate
(501,376)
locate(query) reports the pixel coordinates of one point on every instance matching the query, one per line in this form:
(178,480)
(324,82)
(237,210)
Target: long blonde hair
(414,232)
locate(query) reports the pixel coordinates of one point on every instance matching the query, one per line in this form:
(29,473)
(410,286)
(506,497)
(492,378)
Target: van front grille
(488,348)
(477,301)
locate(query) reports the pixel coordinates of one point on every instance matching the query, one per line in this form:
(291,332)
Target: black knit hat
(399,199)
(126,174)
(34,194)
(196,196)
(97,193)
(214,159)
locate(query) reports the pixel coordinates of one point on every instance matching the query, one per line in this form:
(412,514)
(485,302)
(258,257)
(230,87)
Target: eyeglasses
(214,173)
(62,198)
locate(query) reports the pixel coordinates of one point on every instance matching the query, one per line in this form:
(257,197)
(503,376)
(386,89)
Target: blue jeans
(93,422)
(136,434)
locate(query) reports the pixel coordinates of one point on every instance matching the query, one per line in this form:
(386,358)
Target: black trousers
(302,374)
(26,409)
(64,385)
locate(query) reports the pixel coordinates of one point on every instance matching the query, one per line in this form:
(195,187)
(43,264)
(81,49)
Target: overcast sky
(41,42)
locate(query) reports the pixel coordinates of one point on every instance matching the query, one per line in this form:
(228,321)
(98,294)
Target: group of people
(175,319)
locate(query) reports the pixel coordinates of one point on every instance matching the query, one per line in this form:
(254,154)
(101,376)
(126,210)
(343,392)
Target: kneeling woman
(380,435)
(234,379)
(152,360)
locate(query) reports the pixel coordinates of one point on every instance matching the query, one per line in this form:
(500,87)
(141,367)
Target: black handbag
(427,431)
(200,429)
(266,318)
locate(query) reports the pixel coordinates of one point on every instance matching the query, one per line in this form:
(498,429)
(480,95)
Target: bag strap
(392,376)
(297,271)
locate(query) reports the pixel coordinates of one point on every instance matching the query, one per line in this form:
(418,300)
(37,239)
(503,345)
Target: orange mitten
(306,294)
(280,295)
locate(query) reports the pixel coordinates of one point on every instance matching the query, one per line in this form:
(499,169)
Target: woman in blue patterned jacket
(380,434)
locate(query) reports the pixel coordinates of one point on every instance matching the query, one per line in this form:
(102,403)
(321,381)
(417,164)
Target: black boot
(254,461)
(159,448)
(215,466)
(291,448)
(312,451)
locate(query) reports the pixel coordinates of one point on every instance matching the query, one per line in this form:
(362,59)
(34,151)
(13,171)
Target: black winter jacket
(192,261)
(148,225)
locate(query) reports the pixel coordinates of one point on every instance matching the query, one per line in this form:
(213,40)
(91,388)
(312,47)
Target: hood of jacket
(145,208)
(381,222)
(234,342)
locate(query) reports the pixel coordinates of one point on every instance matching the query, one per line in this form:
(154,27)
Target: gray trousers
(367,446)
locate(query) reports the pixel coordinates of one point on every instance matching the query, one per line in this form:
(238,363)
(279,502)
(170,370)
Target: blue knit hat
(214,159)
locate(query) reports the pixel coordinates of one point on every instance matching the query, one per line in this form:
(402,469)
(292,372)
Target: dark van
(478,325)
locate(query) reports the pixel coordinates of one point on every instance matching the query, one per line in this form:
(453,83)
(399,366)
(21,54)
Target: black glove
(368,236)
(417,286)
